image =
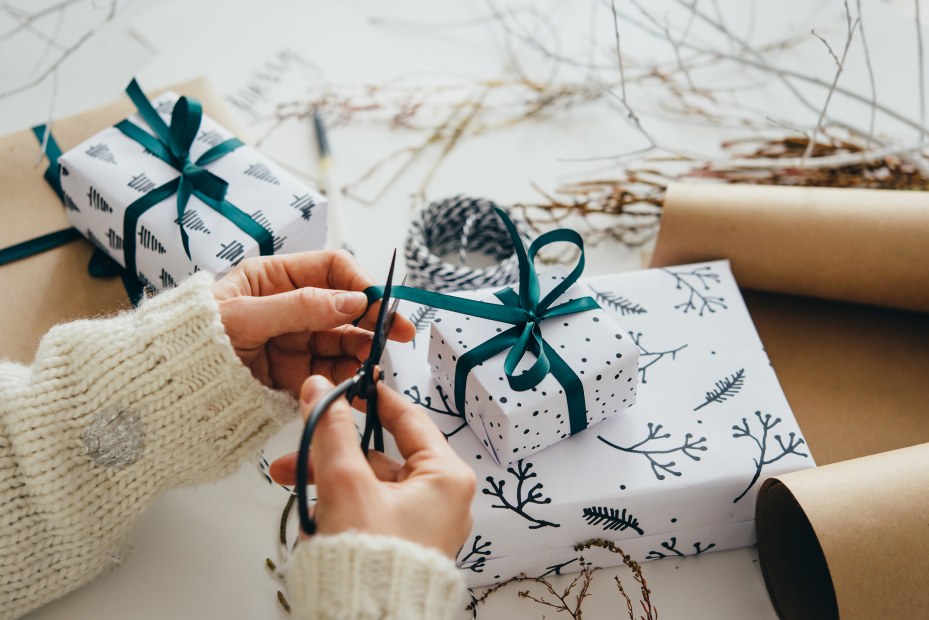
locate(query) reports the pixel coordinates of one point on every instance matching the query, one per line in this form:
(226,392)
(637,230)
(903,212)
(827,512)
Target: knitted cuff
(363,576)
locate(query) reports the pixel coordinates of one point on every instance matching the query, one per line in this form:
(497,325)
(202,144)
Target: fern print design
(262,220)
(193,221)
(113,238)
(522,499)
(69,203)
(670,550)
(688,447)
(167,281)
(697,283)
(478,555)
(97,201)
(611,519)
(232,251)
(141,183)
(724,389)
(149,241)
(422,318)
(761,441)
(648,358)
(617,303)
(426,402)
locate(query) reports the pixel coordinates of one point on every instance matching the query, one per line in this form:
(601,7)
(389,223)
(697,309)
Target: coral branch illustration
(688,447)
(612,519)
(617,302)
(426,403)
(670,549)
(647,358)
(697,282)
(477,556)
(763,459)
(422,318)
(725,388)
(523,474)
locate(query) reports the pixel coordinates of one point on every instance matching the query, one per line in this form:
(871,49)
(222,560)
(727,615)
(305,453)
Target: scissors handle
(307,522)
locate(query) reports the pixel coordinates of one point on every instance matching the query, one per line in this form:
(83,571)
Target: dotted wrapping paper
(674,474)
(511,424)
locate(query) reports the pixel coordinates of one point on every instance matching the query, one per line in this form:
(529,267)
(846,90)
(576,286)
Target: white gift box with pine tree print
(512,425)
(676,474)
(106,173)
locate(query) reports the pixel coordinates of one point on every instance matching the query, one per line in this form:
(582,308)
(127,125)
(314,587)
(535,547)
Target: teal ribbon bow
(525,310)
(172,146)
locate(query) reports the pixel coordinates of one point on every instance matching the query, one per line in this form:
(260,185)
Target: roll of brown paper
(54,287)
(855,376)
(864,246)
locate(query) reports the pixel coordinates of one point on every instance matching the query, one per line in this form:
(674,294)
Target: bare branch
(840,66)
(922,74)
(867,59)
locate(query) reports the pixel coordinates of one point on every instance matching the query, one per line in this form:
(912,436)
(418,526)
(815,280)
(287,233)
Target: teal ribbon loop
(171,144)
(525,310)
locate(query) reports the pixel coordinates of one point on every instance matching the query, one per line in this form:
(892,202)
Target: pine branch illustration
(791,447)
(482,550)
(688,447)
(523,498)
(612,519)
(671,549)
(697,282)
(425,402)
(618,303)
(648,358)
(725,388)
(422,318)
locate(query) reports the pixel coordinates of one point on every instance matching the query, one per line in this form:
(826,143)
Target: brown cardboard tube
(863,246)
(849,540)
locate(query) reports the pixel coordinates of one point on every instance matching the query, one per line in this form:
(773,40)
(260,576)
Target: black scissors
(362,385)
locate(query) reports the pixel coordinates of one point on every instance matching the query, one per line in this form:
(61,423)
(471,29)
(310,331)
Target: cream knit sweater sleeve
(114,411)
(111,413)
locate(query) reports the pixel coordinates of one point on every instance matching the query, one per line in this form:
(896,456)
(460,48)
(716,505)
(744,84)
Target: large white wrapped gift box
(106,173)
(676,474)
(512,424)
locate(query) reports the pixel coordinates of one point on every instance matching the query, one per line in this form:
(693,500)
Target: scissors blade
(385,317)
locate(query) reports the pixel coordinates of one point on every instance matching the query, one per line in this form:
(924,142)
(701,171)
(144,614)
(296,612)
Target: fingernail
(313,385)
(350,302)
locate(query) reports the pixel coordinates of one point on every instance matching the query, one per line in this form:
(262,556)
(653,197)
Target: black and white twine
(457,227)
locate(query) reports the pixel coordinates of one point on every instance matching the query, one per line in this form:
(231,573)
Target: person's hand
(426,499)
(290,316)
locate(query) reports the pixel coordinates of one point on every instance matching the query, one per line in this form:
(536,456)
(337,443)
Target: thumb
(303,309)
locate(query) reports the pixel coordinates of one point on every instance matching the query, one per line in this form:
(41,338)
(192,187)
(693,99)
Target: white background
(200,552)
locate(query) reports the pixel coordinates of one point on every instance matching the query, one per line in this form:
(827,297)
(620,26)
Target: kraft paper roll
(850,538)
(54,287)
(857,245)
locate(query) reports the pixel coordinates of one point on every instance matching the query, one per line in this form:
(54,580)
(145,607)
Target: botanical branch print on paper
(611,519)
(764,458)
(647,448)
(522,498)
(617,303)
(648,358)
(724,389)
(697,283)
(426,402)
(670,549)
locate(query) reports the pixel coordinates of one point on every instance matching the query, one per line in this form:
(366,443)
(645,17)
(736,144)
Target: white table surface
(199,552)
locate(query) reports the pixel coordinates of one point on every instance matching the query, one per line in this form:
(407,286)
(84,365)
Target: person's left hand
(290,316)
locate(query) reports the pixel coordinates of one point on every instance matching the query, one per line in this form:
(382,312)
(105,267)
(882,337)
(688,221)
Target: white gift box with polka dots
(511,424)
(675,474)
(107,172)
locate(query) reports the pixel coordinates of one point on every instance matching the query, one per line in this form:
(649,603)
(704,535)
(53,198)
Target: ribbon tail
(573,389)
(471,307)
(38,245)
(478,355)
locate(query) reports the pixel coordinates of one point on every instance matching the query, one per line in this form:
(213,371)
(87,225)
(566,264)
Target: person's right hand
(426,499)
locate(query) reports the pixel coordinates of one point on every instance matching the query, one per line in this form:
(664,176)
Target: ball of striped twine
(457,227)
